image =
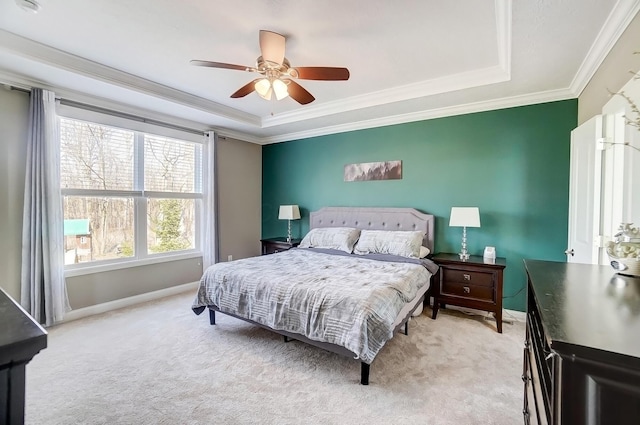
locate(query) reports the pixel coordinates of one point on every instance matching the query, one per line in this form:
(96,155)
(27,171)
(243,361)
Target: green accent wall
(511,163)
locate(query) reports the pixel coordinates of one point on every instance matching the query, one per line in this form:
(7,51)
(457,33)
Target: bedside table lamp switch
(464,217)
(289,212)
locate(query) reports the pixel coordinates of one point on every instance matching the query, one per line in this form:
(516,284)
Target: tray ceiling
(428,59)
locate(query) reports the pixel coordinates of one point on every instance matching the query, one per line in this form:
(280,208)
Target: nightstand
(473,283)
(273,245)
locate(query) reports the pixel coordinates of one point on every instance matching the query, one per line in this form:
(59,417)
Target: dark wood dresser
(21,338)
(582,349)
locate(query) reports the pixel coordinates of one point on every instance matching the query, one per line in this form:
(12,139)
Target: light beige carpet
(158,363)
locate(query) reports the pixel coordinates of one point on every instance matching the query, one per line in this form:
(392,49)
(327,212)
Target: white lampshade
(289,212)
(464,217)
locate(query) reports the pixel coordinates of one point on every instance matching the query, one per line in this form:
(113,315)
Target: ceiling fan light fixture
(276,74)
(280,89)
(263,88)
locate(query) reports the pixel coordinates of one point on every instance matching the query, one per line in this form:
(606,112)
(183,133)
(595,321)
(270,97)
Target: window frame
(141,254)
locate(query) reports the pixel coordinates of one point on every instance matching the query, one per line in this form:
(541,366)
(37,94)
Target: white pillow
(342,238)
(424,251)
(394,242)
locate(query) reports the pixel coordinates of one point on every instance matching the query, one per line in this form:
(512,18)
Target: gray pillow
(342,238)
(394,242)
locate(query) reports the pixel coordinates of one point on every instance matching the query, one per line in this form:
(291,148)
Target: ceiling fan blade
(319,73)
(272,46)
(246,89)
(220,65)
(299,93)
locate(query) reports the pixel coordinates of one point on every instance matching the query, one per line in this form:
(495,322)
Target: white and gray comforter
(345,300)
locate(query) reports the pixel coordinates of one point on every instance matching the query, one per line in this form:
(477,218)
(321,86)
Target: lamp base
(464,254)
(289,232)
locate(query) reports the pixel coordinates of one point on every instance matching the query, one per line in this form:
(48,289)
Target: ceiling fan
(277,73)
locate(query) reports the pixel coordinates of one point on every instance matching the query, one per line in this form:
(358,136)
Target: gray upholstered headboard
(376,219)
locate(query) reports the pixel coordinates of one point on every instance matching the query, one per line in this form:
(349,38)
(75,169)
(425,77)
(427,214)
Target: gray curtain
(209,237)
(43,290)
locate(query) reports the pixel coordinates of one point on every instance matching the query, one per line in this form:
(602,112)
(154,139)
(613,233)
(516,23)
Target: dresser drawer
(468,277)
(459,289)
(537,411)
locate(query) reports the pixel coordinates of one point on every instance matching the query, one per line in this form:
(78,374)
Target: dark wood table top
(587,305)
(473,260)
(21,337)
(281,239)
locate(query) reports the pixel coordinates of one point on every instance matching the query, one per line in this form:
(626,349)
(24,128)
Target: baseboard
(507,315)
(518,316)
(129,301)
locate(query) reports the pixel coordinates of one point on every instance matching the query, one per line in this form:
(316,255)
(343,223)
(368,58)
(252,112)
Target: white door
(585,184)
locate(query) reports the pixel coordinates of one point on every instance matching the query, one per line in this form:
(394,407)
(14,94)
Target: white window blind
(139,194)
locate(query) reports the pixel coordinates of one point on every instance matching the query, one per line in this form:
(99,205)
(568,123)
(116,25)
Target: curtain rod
(107,111)
(92,108)
(9,87)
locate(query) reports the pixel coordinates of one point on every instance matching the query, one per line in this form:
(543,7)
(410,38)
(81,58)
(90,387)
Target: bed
(350,298)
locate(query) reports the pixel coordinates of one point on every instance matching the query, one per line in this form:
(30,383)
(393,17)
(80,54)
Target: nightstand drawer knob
(467,276)
(466,289)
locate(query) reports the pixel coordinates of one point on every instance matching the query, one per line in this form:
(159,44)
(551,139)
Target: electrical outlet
(230,258)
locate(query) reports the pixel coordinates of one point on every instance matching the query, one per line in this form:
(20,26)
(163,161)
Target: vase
(624,250)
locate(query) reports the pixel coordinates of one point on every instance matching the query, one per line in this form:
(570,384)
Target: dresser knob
(466,289)
(467,276)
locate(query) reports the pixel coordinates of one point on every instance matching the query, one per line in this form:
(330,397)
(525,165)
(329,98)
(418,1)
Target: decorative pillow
(403,243)
(342,238)
(424,251)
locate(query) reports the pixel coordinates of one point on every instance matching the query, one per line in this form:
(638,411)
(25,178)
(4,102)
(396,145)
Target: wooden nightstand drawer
(272,248)
(458,289)
(468,277)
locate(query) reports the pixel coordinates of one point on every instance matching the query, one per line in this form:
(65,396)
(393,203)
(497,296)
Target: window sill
(126,264)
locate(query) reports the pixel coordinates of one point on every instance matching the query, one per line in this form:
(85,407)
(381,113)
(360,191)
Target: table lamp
(464,217)
(289,212)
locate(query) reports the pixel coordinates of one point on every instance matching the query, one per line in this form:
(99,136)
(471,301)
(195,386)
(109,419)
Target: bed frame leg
(212,316)
(364,373)
(406,327)
(286,338)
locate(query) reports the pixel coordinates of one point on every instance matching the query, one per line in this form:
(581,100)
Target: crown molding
(618,20)
(238,135)
(12,80)
(397,94)
(32,50)
(502,103)
(469,108)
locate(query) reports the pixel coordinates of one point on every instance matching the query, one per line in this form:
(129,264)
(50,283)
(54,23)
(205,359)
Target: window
(127,194)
